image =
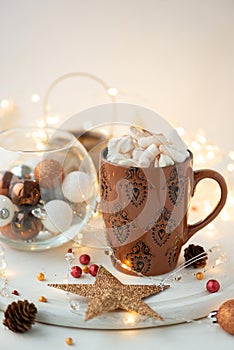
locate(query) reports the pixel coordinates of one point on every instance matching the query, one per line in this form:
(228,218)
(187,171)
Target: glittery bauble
(49,173)
(6,210)
(225,316)
(6,178)
(22,171)
(77,186)
(25,225)
(25,192)
(212,286)
(59,216)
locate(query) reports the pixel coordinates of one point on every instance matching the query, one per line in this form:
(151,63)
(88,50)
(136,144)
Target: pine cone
(192,251)
(20,316)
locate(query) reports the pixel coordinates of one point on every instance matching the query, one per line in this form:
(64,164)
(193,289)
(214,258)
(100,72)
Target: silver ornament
(6,210)
(22,171)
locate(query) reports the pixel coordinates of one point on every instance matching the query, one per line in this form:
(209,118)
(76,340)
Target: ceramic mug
(145,212)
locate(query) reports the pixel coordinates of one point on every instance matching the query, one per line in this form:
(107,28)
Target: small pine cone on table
(20,316)
(192,251)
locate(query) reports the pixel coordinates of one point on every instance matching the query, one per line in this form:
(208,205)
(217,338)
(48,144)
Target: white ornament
(59,216)
(6,210)
(77,187)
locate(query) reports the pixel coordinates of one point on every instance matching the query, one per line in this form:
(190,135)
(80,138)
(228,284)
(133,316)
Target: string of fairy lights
(208,154)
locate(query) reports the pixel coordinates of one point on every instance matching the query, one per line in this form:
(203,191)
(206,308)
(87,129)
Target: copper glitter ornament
(25,225)
(49,173)
(25,192)
(109,294)
(6,179)
(225,316)
(8,232)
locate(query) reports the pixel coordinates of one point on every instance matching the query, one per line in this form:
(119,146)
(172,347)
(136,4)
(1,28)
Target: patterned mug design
(145,212)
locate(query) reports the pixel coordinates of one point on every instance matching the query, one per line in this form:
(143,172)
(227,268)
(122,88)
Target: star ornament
(109,294)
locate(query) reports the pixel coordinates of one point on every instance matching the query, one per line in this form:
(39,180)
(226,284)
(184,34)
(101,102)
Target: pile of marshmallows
(142,148)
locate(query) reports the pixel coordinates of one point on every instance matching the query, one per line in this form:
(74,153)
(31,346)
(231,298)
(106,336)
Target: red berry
(15,292)
(93,269)
(212,286)
(84,259)
(69,250)
(76,271)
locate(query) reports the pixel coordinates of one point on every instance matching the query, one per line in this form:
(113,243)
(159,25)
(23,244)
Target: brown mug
(145,212)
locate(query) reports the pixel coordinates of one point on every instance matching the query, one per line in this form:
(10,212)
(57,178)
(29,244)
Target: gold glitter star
(108,294)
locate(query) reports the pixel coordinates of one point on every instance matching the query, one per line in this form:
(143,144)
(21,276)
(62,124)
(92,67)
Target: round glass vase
(48,187)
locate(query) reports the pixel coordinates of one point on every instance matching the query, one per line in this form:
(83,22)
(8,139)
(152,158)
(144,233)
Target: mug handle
(210,174)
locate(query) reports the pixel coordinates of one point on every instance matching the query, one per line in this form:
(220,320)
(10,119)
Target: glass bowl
(48,187)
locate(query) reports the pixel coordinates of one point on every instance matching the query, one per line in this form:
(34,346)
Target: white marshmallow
(147,141)
(148,155)
(125,144)
(144,162)
(176,155)
(165,160)
(136,132)
(136,153)
(128,162)
(156,163)
(143,148)
(176,141)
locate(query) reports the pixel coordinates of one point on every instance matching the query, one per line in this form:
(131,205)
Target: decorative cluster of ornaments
(40,198)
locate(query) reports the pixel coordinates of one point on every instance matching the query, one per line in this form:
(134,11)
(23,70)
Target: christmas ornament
(59,216)
(22,171)
(212,286)
(25,192)
(8,232)
(69,341)
(225,316)
(20,316)
(85,269)
(40,276)
(25,225)
(6,210)
(193,251)
(48,194)
(84,259)
(77,186)
(15,292)
(42,299)
(76,271)
(49,173)
(93,269)
(199,276)
(69,257)
(6,178)
(109,294)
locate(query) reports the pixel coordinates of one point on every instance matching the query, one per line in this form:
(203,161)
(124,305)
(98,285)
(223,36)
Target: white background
(174,56)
